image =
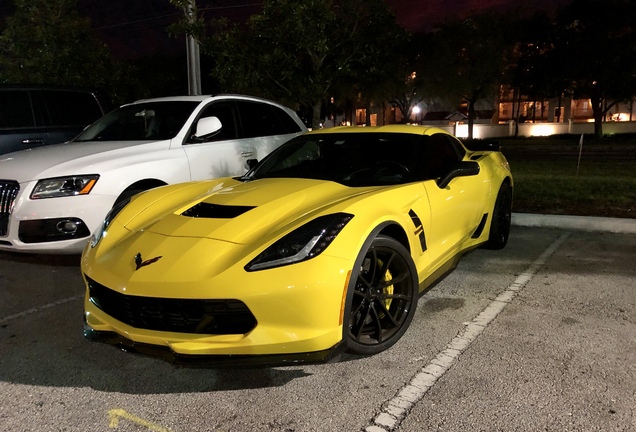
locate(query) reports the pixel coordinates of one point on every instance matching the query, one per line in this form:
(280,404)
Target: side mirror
(207,126)
(461,169)
(251,163)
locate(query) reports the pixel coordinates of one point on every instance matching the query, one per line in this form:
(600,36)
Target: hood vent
(215,211)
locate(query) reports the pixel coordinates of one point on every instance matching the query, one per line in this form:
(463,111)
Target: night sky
(137,28)
(423,15)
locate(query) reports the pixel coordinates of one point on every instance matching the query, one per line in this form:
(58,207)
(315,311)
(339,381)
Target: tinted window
(443,154)
(289,124)
(15,110)
(457,145)
(259,119)
(70,108)
(143,121)
(225,113)
(353,159)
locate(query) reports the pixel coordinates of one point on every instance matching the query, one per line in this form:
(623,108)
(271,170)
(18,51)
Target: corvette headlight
(301,244)
(100,232)
(64,186)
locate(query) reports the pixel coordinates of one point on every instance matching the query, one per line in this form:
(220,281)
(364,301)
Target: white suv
(53,197)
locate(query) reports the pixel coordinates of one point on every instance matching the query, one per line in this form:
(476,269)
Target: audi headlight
(100,232)
(301,244)
(64,186)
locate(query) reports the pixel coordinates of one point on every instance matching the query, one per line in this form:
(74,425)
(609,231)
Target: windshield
(144,121)
(352,159)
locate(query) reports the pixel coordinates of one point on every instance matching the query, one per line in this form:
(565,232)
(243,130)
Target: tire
(382,297)
(501,218)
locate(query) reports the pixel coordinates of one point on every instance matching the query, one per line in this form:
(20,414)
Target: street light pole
(193,55)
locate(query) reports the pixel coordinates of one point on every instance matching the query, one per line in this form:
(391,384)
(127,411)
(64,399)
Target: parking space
(560,357)
(558,354)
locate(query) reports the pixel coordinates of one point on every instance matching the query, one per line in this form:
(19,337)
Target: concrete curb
(581,223)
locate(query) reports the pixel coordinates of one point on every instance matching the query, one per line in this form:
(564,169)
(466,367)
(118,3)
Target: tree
(464,60)
(301,52)
(383,62)
(406,94)
(48,42)
(529,67)
(596,51)
(402,87)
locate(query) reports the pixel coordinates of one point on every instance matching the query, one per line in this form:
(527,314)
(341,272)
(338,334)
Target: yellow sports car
(323,246)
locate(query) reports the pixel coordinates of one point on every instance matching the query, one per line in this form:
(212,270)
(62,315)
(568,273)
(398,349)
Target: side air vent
(215,211)
(480,227)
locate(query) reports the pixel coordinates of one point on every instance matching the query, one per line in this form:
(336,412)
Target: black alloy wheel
(384,294)
(501,219)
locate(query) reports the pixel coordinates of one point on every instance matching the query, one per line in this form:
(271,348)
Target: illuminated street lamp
(416,111)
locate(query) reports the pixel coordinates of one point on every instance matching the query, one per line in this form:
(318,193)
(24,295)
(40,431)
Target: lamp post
(192,54)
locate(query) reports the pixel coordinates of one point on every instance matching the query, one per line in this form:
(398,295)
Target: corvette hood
(242,212)
(69,158)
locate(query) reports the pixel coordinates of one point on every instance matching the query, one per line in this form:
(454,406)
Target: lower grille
(201,316)
(8,191)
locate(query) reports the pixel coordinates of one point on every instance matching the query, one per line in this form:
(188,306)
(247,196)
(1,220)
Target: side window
(259,119)
(457,145)
(442,155)
(225,113)
(71,108)
(15,110)
(289,124)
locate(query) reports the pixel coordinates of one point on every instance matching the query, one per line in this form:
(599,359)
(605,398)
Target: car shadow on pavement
(48,349)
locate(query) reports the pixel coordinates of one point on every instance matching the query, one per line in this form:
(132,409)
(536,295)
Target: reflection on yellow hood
(270,204)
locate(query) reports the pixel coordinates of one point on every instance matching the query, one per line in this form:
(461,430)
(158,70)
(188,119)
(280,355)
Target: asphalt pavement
(540,336)
(555,351)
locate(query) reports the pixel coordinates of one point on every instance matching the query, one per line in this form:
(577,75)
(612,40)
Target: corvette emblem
(140,263)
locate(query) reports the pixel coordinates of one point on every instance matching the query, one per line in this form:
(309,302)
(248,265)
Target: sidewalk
(579,223)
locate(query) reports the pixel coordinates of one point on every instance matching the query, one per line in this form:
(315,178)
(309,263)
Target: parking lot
(538,336)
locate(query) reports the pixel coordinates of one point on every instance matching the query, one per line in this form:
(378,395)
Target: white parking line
(395,410)
(39,308)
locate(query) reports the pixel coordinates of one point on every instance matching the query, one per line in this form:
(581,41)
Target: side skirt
(447,268)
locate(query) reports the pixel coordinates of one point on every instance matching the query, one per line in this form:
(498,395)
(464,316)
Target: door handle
(32,141)
(247,153)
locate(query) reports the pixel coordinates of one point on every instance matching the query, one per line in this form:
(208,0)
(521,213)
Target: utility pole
(193,55)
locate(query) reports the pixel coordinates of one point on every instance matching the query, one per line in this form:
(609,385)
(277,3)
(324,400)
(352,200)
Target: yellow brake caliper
(388,290)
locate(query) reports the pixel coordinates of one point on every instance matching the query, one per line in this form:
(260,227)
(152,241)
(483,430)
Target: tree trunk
(517,102)
(471,118)
(597,110)
(315,118)
(542,110)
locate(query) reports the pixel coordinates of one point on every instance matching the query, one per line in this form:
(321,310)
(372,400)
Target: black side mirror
(251,163)
(461,169)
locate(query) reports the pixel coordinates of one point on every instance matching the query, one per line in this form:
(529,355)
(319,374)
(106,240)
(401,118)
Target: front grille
(8,191)
(201,316)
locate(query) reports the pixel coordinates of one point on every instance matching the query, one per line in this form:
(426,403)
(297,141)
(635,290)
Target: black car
(33,116)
